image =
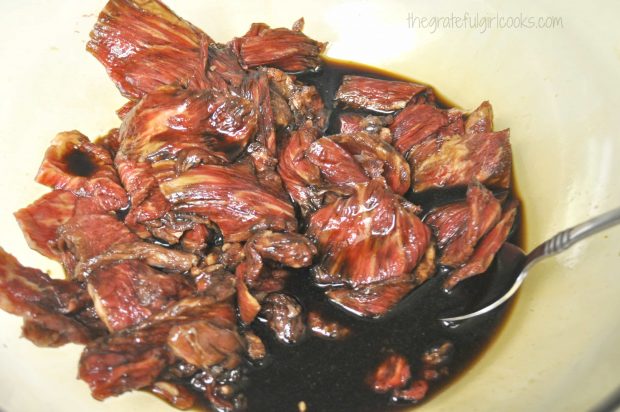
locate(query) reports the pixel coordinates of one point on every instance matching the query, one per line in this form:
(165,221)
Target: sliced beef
(480,120)
(284,316)
(337,165)
(303,100)
(459,159)
(354,122)
(232,198)
(360,92)
(127,293)
(301,177)
(459,226)
(195,329)
(75,164)
(41,220)
(88,234)
(202,126)
(45,304)
(414,124)
(371,237)
(285,49)
(377,158)
(224,73)
(154,255)
(376,299)
(171,120)
(256,89)
(144,45)
(485,250)
(288,249)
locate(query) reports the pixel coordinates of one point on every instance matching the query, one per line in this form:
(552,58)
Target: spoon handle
(558,243)
(569,237)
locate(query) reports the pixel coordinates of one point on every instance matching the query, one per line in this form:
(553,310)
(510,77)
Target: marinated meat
(326,328)
(184,232)
(168,123)
(152,254)
(485,251)
(373,300)
(371,225)
(75,164)
(232,198)
(224,73)
(486,157)
(284,316)
(256,89)
(288,249)
(197,239)
(285,49)
(45,304)
(41,220)
(351,123)
(337,165)
(414,124)
(371,237)
(175,394)
(300,176)
(392,373)
(480,120)
(311,167)
(303,100)
(377,158)
(127,293)
(144,45)
(415,392)
(256,348)
(359,92)
(133,358)
(458,227)
(88,234)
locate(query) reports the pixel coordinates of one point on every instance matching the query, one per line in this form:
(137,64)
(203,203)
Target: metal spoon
(558,243)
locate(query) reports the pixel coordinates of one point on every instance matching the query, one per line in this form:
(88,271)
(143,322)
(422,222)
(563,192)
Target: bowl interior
(557,90)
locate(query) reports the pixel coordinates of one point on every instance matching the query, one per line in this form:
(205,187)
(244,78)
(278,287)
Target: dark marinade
(330,375)
(267,230)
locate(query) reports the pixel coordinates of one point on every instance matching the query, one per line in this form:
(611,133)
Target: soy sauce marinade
(330,375)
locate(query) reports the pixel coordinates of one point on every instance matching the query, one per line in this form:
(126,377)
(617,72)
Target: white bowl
(558,89)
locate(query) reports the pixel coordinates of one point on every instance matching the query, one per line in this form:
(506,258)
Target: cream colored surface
(558,90)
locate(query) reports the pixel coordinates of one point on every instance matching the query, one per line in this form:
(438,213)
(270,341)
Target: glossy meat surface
(288,50)
(485,251)
(88,234)
(458,227)
(75,164)
(360,92)
(416,123)
(370,238)
(486,157)
(230,197)
(144,45)
(44,303)
(197,329)
(41,220)
(189,127)
(253,202)
(127,293)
